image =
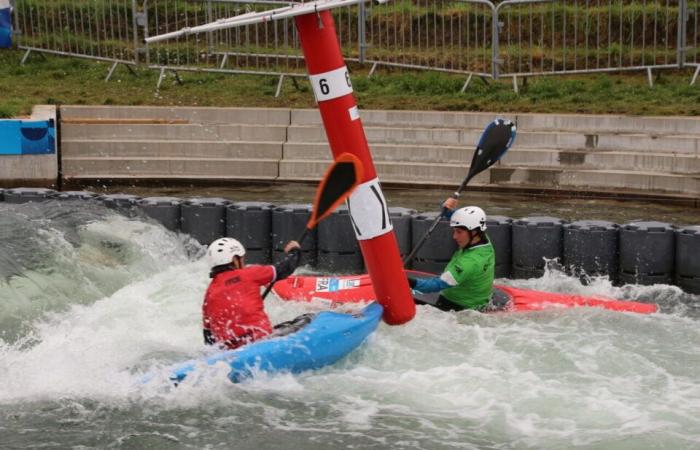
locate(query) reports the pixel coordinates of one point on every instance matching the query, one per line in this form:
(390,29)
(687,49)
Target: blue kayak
(328,337)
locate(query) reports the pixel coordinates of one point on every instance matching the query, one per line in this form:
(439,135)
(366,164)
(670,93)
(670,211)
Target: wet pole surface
(330,80)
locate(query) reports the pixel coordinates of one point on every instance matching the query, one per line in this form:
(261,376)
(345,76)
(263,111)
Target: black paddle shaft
(302,236)
(337,184)
(495,142)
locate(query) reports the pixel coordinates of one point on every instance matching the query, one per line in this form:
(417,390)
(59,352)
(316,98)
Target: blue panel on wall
(36,138)
(5,24)
(27,137)
(10,137)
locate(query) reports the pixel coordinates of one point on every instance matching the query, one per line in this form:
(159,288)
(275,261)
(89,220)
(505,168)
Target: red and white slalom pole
(330,80)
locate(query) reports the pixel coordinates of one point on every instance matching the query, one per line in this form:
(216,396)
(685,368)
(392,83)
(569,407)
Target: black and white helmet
(471,218)
(222,251)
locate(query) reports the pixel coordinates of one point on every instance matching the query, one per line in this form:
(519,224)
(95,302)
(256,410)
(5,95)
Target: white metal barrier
(512,38)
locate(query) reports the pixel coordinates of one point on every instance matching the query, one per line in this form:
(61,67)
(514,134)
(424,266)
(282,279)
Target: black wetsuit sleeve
(284,268)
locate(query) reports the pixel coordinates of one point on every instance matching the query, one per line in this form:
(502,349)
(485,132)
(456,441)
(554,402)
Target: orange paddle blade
(341,178)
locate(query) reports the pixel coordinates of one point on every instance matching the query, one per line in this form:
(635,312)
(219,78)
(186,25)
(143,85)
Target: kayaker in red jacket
(233,311)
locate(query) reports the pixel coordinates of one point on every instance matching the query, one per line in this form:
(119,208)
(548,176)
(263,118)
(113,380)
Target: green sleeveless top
(473,269)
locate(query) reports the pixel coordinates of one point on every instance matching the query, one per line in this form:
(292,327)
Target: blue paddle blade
(495,141)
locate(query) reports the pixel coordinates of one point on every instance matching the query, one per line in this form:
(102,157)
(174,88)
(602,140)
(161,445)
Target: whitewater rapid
(91,301)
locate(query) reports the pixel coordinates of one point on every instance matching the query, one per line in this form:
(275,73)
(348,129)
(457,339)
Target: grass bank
(58,80)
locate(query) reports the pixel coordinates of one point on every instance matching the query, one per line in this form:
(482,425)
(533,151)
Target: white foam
(548,379)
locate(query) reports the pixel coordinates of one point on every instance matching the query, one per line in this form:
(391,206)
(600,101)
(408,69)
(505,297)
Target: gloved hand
(450,203)
(292,246)
(412,281)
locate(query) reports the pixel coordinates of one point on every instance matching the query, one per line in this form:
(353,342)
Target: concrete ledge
(28,171)
(388,172)
(426,136)
(189,168)
(554,158)
(203,132)
(650,156)
(596,179)
(406,119)
(32,170)
(581,159)
(610,123)
(567,140)
(525,121)
(385,152)
(254,116)
(175,149)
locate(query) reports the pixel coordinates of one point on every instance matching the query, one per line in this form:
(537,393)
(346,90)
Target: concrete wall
(32,169)
(612,155)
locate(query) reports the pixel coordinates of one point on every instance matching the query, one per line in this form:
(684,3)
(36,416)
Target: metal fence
(267,49)
(583,36)
(104,30)
(512,38)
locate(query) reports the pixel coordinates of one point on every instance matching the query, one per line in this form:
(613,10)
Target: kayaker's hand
(412,282)
(292,245)
(450,203)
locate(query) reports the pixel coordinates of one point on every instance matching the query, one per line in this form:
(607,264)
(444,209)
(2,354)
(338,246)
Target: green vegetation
(58,80)
(534,37)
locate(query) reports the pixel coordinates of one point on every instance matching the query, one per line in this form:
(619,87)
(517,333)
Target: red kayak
(358,288)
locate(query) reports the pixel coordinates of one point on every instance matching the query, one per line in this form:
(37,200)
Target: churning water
(90,301)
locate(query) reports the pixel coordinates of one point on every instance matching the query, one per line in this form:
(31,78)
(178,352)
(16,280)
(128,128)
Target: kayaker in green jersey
(467,281)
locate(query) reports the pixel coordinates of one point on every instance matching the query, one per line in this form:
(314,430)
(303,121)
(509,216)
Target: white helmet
(222,251)
(471,218)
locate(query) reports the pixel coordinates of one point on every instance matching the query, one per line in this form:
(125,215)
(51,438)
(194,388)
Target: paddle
(495,141)
(341,178)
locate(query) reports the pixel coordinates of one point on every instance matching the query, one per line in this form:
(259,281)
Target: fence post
(682,23)
(210,34)
(361,31)
(16,31)
(144,24)
(134,25)
(495,28)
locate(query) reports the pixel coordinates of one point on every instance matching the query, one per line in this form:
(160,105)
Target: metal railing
(270,49)
(689,41)
(512,38)
(105,30)
(583,36)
